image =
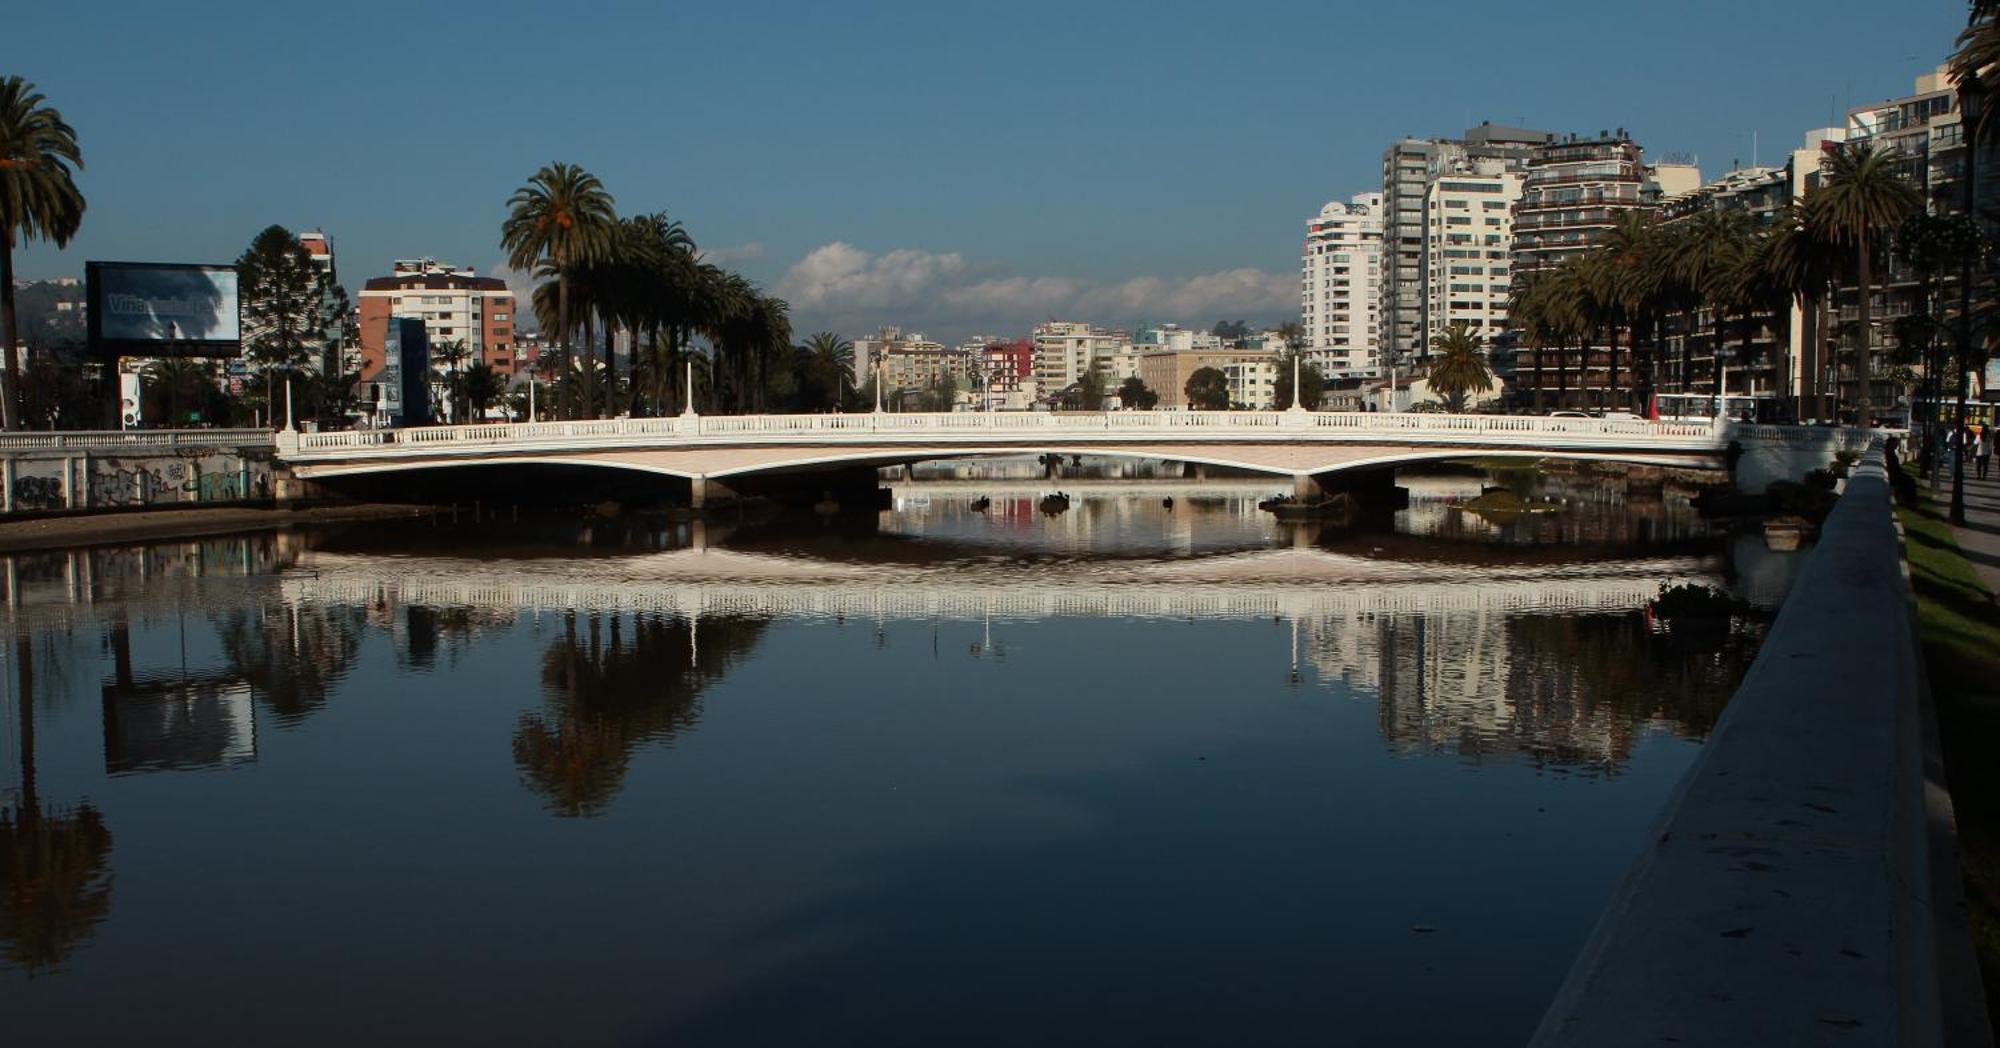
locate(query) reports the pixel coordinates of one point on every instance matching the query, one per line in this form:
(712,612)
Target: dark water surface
(1124,775)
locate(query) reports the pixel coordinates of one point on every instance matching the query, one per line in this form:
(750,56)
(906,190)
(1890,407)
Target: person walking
(1982,448)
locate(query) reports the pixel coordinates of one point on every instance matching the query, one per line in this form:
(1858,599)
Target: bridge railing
(134,440)
(1126,423)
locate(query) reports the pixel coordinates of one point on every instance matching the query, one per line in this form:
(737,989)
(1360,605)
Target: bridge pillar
(698,491)
(1306,488)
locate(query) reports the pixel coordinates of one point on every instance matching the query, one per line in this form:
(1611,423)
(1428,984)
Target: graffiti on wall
(115,483)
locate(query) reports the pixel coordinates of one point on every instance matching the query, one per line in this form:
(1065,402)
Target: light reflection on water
(1130,773)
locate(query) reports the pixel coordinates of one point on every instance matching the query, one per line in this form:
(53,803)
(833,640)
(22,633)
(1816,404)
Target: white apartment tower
(1340,275)
(1065,350)
(1468,237)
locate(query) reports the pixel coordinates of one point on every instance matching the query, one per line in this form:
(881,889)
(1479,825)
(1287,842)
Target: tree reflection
(55,877)
(290,655)
(608,694)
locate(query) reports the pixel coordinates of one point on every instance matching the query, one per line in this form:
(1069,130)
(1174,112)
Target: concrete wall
(73,479)
(1786,897)
(1790,452)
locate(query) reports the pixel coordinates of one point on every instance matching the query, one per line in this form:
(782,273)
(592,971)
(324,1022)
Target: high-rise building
(1468,236)
(1408,169)
(1923,133)
(1574,193)
(1576,189)
(1340,275)
(456,306)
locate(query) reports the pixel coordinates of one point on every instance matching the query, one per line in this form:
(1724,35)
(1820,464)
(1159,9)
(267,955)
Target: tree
(283,297)
(828,367)
(1706,254)
(479,387)
(1207,390)
(1458,365)
(1231,330)
(560,220)
(1090,388)
(182,384)
(39,200)
(1804,262)
(1134,395)
(1312,381)
(1861,200)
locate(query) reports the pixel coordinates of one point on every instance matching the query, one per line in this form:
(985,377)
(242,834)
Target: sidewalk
(1979,538)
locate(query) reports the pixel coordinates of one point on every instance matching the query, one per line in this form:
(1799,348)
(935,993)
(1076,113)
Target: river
(1131,773)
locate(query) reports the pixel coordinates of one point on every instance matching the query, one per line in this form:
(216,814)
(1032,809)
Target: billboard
(163,309)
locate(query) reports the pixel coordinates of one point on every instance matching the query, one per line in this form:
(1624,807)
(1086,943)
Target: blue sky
(956,168)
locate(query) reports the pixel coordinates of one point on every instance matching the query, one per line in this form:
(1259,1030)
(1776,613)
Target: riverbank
(100,529)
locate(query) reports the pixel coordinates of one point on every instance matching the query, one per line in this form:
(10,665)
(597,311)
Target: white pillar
(289,425)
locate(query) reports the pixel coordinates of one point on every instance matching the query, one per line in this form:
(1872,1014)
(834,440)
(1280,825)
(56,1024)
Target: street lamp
(1971,99)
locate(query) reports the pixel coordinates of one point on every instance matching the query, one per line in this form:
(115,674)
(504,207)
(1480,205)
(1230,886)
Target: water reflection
(615,688)
(55,877)
(1191,696)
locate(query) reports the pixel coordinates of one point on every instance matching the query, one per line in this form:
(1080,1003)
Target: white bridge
(1300,444)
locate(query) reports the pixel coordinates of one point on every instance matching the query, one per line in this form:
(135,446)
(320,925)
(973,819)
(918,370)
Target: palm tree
(38,201)
(1458,365)
(1805,263)
(561,219)
(1636,264)
(1711,245)
(1862,198)
(829,365)
(181,381)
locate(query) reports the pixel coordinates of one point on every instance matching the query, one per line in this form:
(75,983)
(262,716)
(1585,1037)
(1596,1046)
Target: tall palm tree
(1711,246)
(1458,365)
(1806,263)
(562,218)
(38,201)
(1636,260)
(1861,200)
(830,365)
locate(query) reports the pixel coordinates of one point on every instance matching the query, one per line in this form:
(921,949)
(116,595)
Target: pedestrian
(1982,448)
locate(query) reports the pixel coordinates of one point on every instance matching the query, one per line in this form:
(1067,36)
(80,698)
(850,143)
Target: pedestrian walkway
(1979,537)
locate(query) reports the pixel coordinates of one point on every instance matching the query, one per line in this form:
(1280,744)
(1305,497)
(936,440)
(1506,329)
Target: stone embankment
(1799,888)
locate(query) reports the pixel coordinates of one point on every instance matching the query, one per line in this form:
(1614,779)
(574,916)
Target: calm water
(1130,774)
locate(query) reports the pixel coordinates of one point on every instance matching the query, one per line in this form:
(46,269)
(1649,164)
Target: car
(1569,414)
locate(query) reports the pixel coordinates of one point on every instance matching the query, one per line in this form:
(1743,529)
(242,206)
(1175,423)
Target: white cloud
(734,255)
(851,290)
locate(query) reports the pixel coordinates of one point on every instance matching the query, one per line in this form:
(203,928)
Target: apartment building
(455,304)
(1166,371)
(1408,168)
(1467,249)
(1573,194)
(1340,278)
(1065,350)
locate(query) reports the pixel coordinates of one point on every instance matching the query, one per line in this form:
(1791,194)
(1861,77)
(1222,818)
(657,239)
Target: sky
(958,169)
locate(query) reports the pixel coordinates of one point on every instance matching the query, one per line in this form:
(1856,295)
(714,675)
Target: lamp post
(1971,97)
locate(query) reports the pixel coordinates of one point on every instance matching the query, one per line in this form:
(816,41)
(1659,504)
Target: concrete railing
(1785,897)
(959,427)
(136,441)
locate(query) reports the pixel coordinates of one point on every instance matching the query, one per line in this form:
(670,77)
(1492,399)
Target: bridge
(1317,450)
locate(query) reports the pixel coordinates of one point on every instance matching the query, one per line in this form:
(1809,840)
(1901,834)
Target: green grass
(1959,626)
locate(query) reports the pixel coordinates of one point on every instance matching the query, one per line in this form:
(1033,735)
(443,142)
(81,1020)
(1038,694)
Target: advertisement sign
(163,309)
